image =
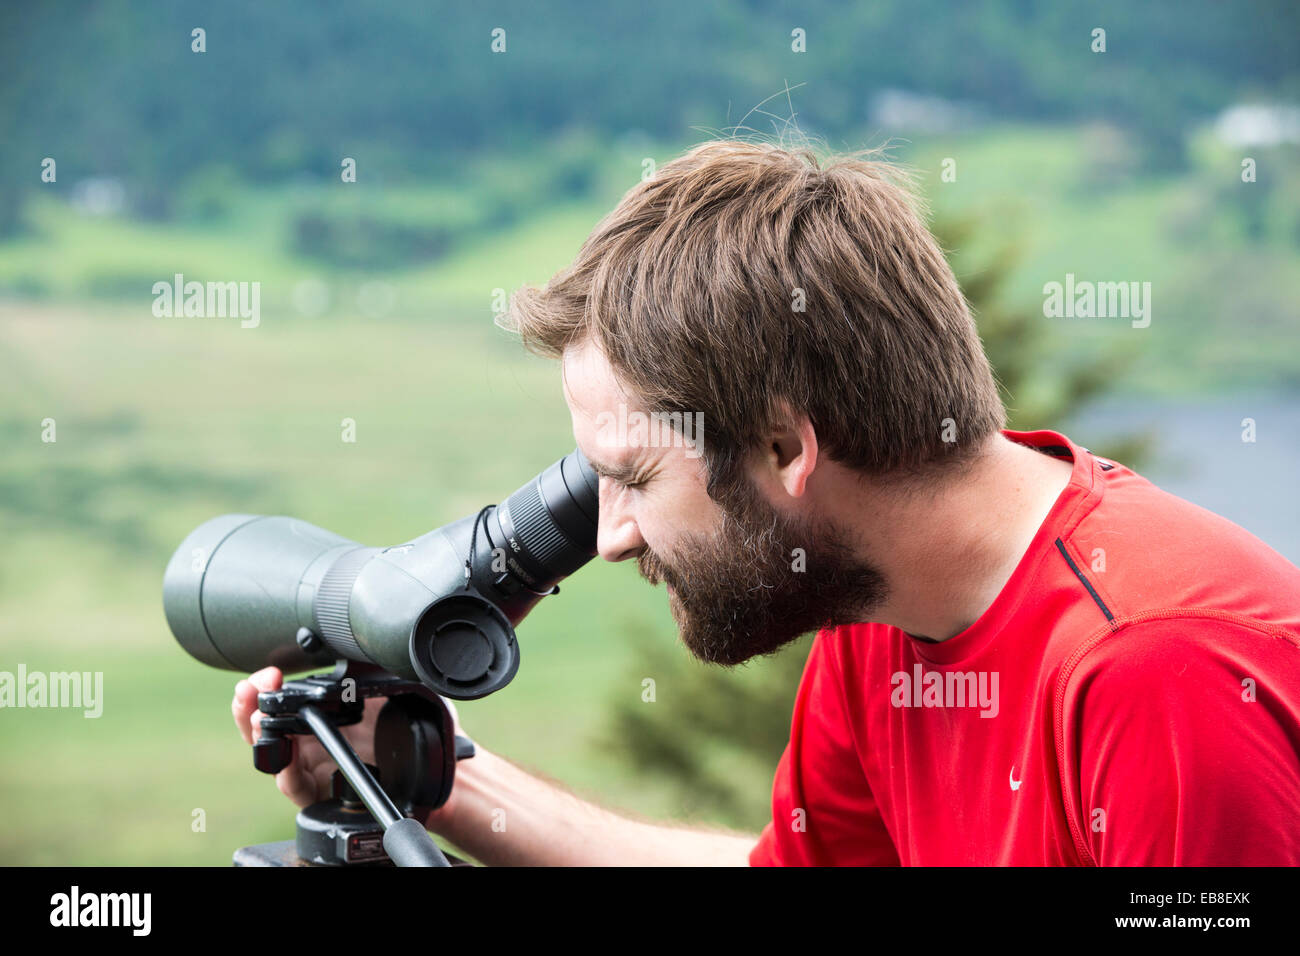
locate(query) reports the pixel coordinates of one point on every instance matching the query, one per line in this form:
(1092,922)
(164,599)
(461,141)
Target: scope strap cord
(469,561)
(473,543)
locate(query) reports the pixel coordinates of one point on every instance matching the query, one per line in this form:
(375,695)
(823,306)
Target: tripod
(361,824)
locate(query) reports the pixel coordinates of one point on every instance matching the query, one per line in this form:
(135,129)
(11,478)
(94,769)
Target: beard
(746,591)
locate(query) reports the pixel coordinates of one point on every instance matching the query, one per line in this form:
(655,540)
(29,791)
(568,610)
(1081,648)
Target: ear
(792,451)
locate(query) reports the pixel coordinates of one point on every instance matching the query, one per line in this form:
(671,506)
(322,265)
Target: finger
(310,753)
(242,706)
(268,678)
(296,783)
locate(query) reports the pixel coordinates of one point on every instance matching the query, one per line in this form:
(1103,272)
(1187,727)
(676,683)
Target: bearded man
(1026,654)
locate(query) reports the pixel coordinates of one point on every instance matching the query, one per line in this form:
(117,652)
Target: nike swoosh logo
(1011,778)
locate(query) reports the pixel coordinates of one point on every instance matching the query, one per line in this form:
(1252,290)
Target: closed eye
(626,482)
(625,477)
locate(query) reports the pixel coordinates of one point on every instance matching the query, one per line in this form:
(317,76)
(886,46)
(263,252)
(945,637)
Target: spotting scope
(246,591)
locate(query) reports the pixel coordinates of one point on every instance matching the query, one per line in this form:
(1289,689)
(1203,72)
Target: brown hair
(690,289)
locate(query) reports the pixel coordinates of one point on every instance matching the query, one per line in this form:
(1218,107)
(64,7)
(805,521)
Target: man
(1064,664)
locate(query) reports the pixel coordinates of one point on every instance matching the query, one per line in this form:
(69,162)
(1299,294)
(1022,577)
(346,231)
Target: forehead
(603,411)
(590,386)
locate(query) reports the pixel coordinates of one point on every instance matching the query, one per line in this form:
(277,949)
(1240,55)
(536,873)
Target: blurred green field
(163,423)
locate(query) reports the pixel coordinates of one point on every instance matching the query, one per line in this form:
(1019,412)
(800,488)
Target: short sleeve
(823,811)
(1183,745)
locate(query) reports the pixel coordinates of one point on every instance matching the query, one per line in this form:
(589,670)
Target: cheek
(669,511)
(672,534)
(662,527)
(694,514)
(657,536)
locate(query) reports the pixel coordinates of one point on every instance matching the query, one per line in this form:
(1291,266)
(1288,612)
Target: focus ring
(544,541)
(333,622)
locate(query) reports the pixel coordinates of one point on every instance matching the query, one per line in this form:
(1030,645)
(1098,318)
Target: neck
(947,552)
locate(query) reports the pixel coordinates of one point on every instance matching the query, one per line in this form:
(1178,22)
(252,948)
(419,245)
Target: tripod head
(416,750)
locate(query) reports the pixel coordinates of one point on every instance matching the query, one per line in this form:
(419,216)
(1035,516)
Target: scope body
(440,609)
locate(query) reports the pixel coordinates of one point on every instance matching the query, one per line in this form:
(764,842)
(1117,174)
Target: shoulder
(1143,549)
(1199,668)
(1172,642)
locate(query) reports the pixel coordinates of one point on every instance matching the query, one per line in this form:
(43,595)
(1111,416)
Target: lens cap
(463,647)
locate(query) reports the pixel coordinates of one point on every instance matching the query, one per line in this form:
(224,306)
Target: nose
(617,535)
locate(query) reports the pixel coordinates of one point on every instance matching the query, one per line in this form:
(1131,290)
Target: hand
(306,780)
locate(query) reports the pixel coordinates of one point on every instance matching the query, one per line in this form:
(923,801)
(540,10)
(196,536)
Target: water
(1198,453)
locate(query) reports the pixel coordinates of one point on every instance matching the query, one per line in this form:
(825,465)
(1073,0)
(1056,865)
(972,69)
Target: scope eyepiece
(547,529)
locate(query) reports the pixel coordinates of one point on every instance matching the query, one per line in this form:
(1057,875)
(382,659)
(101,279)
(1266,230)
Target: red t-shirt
(1131,697)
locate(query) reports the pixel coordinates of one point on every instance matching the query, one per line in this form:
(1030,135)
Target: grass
(164,423)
